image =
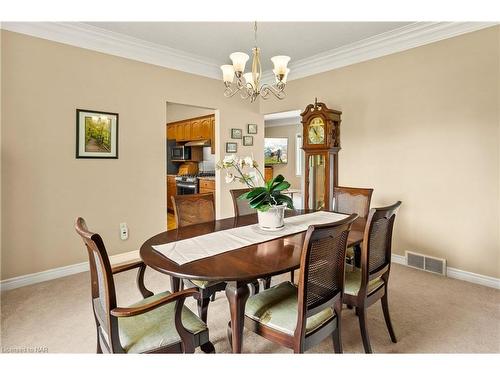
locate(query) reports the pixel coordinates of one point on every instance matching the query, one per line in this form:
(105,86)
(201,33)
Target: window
(299,154)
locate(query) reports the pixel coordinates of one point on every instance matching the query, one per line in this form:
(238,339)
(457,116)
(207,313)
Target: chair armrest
(122,312)
(122,267)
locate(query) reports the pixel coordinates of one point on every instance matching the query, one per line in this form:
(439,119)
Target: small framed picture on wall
(96,135)
(231,147)
(252,129)
(236,133)
(247,140)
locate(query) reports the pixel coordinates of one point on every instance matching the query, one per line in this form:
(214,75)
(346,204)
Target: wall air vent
(426,263)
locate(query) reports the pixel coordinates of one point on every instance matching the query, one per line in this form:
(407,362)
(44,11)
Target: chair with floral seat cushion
(157,324)
(365,286)
(299,317)
(192,209)
(351,200)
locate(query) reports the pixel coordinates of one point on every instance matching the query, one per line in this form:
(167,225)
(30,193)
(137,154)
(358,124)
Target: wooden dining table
(236,267)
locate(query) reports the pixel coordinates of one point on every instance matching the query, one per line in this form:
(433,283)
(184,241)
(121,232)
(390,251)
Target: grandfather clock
(321,144)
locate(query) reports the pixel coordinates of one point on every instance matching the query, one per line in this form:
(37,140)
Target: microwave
(180,153)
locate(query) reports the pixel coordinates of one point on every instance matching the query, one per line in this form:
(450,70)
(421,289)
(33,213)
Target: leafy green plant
(261,198)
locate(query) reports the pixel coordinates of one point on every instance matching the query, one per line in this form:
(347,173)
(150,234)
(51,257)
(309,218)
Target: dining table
(237,267)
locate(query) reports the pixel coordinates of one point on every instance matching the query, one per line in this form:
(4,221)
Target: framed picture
(236,133)
(248,140)
(252,128)
(231,147)
(275,151)
(96,135)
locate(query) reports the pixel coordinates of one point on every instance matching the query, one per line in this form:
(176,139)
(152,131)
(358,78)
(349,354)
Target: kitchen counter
(209,178)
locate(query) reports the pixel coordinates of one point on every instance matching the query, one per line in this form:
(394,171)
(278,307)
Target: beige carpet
(430,314)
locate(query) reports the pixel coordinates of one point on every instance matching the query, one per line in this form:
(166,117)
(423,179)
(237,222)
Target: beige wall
(287,170)
(422,126)
(178,112)
(44,188)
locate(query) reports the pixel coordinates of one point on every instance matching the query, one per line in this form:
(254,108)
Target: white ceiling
(216,40)
(201,47)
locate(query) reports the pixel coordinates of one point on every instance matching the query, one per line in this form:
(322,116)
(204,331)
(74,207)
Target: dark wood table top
(247,263)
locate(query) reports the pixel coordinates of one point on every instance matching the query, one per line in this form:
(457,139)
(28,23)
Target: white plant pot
(272,219)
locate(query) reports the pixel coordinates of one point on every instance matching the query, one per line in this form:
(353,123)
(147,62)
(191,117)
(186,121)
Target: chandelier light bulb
(282,76)
(239,60)
(280,64)
(248,77)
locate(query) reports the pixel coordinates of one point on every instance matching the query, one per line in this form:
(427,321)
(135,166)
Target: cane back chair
(299,317)
(366,285)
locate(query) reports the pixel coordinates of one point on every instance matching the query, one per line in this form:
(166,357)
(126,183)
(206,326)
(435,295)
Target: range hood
(201,143)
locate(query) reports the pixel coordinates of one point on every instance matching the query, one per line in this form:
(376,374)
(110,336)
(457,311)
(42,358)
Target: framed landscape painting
(96,135)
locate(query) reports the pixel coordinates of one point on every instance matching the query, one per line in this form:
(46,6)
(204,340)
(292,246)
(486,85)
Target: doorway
(190,153)
(283,152)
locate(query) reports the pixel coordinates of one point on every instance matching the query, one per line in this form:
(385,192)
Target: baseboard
(455,273)
(55,273)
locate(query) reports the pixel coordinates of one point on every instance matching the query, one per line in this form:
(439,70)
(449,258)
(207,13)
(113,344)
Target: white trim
(55,273)
(404,38)
(455,273)
(95,38)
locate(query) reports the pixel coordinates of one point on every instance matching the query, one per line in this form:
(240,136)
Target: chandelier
(248,84)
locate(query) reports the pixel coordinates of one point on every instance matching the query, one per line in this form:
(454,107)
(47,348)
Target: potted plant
(265,197)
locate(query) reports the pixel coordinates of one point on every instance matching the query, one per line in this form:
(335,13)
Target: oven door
(186,188)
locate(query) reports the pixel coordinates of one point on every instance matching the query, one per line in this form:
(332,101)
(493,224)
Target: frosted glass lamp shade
(227,73)
(280,64)
(239,60)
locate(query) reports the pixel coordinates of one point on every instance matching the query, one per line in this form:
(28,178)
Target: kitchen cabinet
(207,185)
(171,190)
(195,129)
(268,173)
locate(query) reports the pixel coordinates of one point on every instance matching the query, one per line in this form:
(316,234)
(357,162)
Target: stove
(188,183)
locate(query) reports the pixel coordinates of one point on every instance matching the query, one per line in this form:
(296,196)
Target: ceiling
(214,41)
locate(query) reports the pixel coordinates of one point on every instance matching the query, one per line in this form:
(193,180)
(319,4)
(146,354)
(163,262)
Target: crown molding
(401,39)
(97,39)
(94,38)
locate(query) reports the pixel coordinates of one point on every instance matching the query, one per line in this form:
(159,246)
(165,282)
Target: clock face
(316,133)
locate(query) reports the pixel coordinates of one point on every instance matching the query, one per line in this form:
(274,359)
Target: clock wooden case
(321,144)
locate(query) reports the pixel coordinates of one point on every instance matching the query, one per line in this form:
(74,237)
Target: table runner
(207,245)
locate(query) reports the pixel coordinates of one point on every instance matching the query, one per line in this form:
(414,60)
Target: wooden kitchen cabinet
(268,173)
(195,129)
(171,190)
(207,185)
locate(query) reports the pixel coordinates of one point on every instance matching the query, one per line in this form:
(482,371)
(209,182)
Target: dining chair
(242,208)
(193,209)
(157,324)
(366,285)
(299,317)
(351,200)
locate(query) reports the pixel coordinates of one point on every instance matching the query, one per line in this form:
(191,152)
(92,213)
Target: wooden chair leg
(387,317)
(208,348)
(364,331)
(212,297)
(255,287)
(336,335)
(292,277)
(203,308)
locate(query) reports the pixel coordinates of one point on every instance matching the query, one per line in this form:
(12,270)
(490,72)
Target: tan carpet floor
(431,314)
